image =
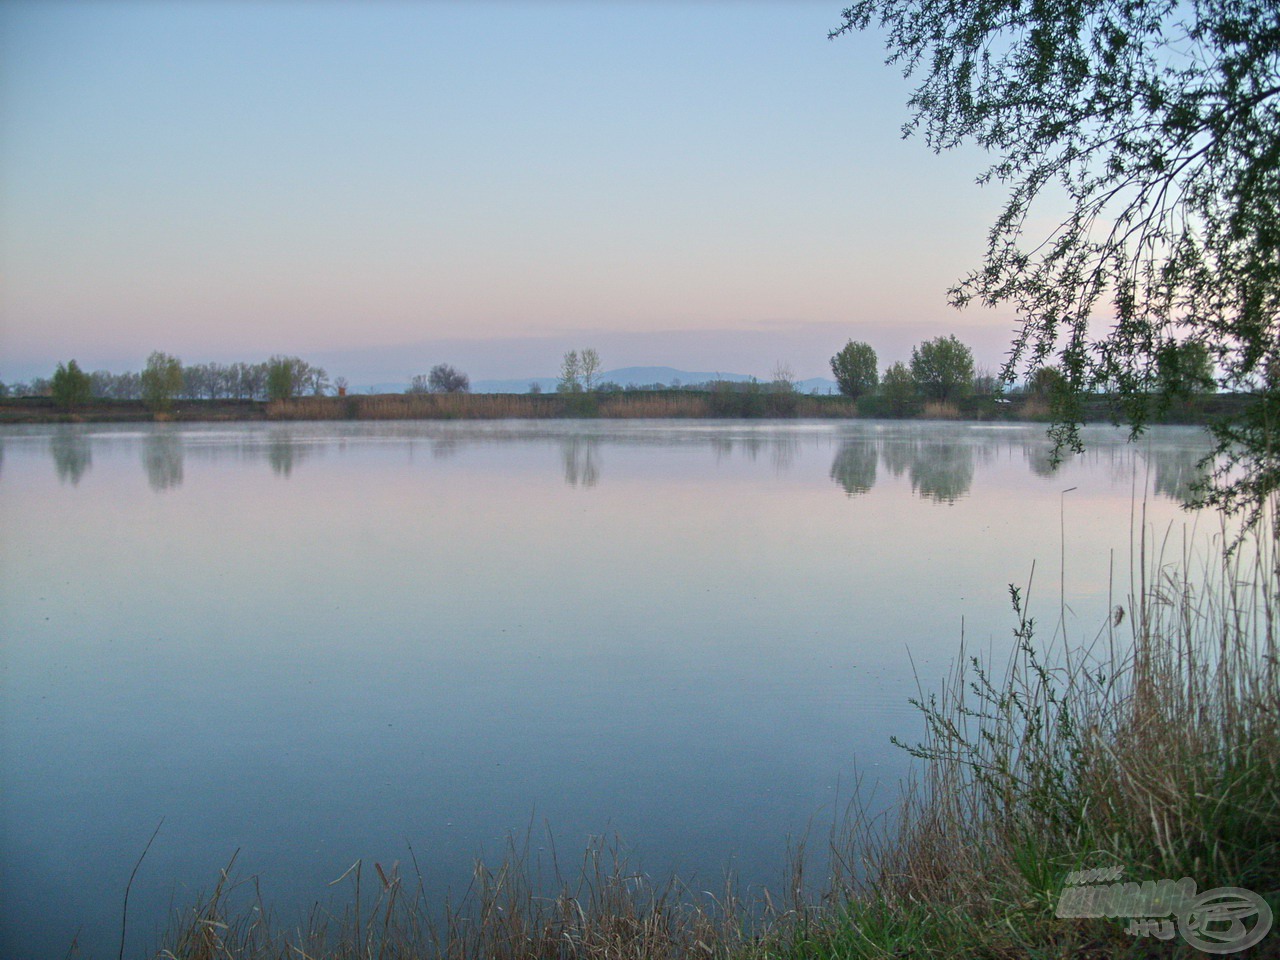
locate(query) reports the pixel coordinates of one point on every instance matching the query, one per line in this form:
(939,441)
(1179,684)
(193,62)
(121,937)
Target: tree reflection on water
(162,456)
(580,456)
(72,456)
(940,463)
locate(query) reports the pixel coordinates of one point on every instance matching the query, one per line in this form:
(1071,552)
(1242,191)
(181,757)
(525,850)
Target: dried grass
(940,410)
(418,406)
(1158,752)
(642,405)
(487,406)
(605,910)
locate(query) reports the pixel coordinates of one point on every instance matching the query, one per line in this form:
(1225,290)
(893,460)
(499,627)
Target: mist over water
(313,643)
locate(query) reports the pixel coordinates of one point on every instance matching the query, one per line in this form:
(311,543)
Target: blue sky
(386,185)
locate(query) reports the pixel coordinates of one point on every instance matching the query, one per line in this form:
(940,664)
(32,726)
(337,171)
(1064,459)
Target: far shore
(636,404)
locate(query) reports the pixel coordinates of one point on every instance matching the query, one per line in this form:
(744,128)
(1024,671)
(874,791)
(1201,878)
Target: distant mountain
(817,385)
(643,377)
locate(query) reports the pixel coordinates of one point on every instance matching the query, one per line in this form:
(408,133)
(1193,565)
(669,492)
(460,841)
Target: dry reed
(1158,754)
(489,406)
(935,410)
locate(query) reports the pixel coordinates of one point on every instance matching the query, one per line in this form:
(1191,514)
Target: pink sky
(384,185)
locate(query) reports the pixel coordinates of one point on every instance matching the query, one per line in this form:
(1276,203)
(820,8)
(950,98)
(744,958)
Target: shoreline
(659,404)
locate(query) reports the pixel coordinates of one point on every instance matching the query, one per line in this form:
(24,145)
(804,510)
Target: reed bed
(418,406)
(640,405)
(935,410)
(511,911)
(1152,748)
(1155,754)
(672,404)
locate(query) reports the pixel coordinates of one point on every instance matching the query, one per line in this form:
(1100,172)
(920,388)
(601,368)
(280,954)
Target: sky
(386,185)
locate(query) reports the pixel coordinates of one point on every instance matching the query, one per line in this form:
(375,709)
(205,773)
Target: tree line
(942,370)
(165,378)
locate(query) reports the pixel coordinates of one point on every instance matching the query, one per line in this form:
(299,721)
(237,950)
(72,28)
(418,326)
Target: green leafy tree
(288,377)
(854,368)
(1184,369)
(71,386)
(1047,383)
(161,380)
(1153,130)
(942,368)
(898,388)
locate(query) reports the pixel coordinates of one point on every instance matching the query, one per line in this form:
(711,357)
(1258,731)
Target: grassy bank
(1151,749)
(675,404)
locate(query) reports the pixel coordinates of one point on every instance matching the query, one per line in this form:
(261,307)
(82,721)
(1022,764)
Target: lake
(312,643)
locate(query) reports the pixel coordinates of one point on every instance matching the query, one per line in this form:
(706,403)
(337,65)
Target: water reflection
(446,448)
(162,458)
(580,456)
(1042,461)
(897,456)
(722,446)
(784,450)
(1177,472)
(941,471)
(939,463)
(328,661)
(854,467)
(938,469)
(942,468)
(72,455)
(284,453)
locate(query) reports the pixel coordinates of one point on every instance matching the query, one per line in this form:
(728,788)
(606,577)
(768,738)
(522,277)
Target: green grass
(1154,747)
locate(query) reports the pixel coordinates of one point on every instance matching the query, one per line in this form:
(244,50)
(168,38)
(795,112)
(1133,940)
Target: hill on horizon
(643,377)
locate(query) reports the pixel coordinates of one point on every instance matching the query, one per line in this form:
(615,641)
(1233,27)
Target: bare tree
(446,379)
(570,374)
(589,368)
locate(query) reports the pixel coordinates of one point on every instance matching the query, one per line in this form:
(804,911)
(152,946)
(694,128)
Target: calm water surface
(315,642)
